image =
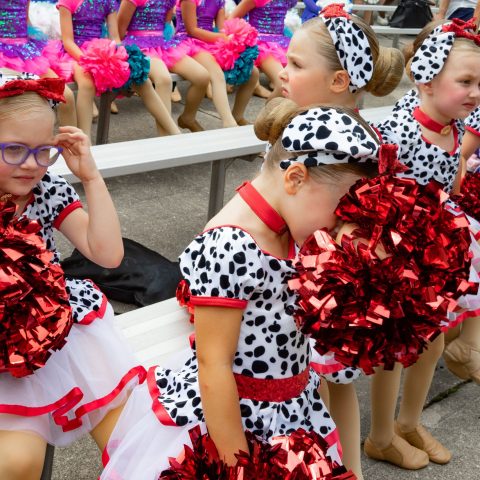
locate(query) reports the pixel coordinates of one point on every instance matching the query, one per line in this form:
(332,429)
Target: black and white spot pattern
(50,197)
(327,136)
(226,263)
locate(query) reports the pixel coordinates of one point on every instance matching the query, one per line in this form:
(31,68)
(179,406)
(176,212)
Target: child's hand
(77,153)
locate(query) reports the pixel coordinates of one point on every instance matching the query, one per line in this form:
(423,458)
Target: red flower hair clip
(463,29)
(49,88)
(334,10)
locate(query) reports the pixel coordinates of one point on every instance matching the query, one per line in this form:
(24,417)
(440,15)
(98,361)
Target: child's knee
(21,464)
(162,81)
(202,79)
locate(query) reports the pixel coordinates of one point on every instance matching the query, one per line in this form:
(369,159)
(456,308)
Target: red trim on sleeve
(65,212)
(93,315)
(218,302)
(157,405)
(472,130)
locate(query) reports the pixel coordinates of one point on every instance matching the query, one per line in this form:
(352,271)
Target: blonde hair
(388,63)
(410,50)
(20,106)
(272,121)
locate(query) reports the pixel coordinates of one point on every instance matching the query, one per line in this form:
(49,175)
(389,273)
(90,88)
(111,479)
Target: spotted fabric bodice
(53,198)
(207,11)
(225,267)
(150,15)
(424,160)
(88,17)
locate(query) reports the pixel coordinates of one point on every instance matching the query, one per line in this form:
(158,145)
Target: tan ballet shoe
(242,122)
(422,439)
(261,91)
(192,126)
(463,360)
(399,453)
(176,96)
(113,108)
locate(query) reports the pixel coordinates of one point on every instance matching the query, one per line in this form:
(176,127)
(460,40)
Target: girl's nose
(282,74)
(30,163)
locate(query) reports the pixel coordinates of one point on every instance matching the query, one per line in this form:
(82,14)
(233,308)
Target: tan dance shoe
(422,439)
(399,453)
(463,360)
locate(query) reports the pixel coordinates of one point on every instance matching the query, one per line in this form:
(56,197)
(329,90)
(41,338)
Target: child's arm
(216,336)
(189,15)
(95,234)
(220,18)
(470,143)
(112,25)
(66,27)
(243,8)
(169,16)
(125,14)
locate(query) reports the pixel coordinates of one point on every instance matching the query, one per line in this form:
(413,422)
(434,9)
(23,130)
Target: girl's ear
(340,81)
(294,178)
(425,88)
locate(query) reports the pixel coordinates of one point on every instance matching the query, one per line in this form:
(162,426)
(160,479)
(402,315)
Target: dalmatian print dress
(93,372)
(224,267)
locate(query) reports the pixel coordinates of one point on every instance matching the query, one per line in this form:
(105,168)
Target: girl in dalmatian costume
(83,386)
(196,20)
(82,21)
(20,52)
(428,130)
(246,341)
(142,23)
(327,40)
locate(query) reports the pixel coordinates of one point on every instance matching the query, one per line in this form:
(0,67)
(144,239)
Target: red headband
(49,88)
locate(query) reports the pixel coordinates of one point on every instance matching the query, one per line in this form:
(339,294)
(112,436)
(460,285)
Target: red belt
(271,390)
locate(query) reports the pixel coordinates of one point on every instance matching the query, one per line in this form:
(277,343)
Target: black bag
(411,14)
(144,276)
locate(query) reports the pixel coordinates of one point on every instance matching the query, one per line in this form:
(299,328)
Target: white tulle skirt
(91,375)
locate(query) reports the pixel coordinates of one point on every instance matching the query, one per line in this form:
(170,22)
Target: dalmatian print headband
(325,136)
(351,43)
(13,84)
(430,58)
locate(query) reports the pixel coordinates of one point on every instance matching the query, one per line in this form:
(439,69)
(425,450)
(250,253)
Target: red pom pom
(298,456)
(469,198)
(372,311)
(35,314)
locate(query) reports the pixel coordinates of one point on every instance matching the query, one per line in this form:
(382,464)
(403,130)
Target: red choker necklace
(269,216)
(423,119)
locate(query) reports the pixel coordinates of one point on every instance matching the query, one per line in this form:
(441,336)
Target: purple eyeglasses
(17,153)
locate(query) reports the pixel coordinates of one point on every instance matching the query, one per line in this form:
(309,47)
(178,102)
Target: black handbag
(411,14)
(144,276)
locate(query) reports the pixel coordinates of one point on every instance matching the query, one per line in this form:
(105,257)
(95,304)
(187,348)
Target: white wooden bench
(216,146)
(158,331)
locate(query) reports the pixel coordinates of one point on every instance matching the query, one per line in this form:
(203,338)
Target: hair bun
(274,117)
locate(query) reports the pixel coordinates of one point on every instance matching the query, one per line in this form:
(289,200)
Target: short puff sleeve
(138,3)
(224,267)
(70,5)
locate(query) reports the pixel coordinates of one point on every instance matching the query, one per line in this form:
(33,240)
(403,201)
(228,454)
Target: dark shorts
(462,13)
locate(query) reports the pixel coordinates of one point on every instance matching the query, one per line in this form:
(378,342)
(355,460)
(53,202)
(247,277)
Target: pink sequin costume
(18,51)
(146,31)
(88,17)
(207,11)
(268,17)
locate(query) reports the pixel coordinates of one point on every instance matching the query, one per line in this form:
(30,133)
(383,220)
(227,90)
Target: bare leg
(85,95)
(199,78)
(101,433)
(219,88)
(470,331)
(67,114)
(160,76)
(22,455)
(418,379)
(156,107)
(271,68)
(345,412)
(243,96)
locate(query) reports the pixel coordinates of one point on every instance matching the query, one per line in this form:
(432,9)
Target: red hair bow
(388,159)
(334,10)
(463,29)
(49,88)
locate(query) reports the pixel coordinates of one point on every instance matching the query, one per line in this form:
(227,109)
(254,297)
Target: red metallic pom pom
(384,293)
(298,456)
(469,198)
(35,314)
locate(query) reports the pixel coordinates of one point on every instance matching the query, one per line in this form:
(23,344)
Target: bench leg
(103,127)
(217,187)
(48,464)
(395,41)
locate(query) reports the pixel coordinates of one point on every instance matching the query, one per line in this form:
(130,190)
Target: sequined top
(150,15)
(88,17)
(207,11)
(270,18)
(13,18)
